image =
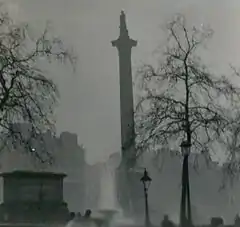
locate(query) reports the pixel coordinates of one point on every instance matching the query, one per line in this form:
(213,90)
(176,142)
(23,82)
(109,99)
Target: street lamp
(185,208)
(185,148)
(146,180)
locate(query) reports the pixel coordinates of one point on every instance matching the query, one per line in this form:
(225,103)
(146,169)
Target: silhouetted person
(88,213)
(72,216)
(217,221)
(237,221)
(166,222)
(71,219)
(78,215)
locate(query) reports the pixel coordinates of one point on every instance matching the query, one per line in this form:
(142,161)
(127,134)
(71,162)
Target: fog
(90,98)
(89,104)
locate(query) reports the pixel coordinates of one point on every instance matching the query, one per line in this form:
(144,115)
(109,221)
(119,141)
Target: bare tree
(27,94)
(182,99)
(230,143)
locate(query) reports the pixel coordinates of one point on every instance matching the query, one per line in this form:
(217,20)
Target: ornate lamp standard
(185,208)
(146,180)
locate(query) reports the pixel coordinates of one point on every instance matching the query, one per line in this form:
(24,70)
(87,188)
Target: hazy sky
(90,98)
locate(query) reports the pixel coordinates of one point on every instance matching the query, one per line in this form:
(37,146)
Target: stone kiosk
(33,197)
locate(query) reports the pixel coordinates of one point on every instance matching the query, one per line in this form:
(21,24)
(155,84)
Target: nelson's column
(124,179)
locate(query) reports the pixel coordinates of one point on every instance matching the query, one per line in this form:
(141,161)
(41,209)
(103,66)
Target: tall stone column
(124,46)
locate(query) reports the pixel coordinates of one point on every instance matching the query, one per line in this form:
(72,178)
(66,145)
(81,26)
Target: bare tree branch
(27,95)
(182,100)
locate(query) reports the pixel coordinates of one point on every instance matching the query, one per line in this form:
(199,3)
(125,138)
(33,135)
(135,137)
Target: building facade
(67,157)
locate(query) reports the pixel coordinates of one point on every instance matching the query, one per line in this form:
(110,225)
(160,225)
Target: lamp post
(146,180)
(185,208)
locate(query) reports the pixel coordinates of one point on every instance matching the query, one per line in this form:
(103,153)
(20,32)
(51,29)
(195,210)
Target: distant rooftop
(34,174)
